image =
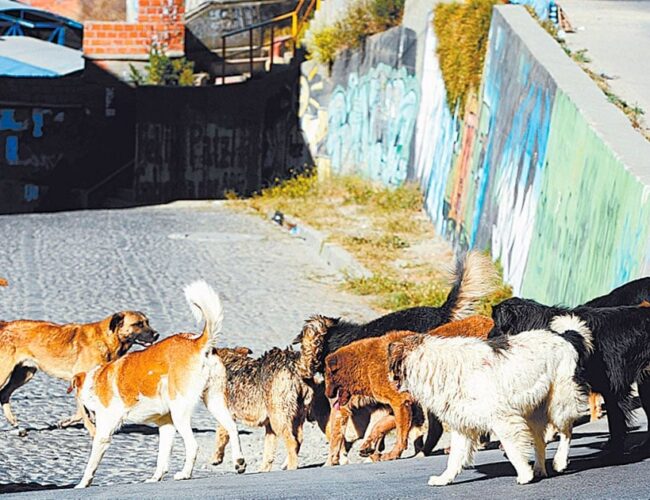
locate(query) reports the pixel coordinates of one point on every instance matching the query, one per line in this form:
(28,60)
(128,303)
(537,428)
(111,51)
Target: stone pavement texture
(83,266)
(616,34)
(491,477)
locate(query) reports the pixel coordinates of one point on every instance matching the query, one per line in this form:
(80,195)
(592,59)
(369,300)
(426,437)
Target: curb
(337,257)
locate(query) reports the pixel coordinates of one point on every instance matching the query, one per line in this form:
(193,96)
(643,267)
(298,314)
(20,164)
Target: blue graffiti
(371,123)
(11,150)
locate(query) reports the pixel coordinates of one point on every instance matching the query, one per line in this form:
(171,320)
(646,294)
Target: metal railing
(298,16)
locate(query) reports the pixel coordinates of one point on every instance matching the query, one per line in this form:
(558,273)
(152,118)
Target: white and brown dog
(161,385)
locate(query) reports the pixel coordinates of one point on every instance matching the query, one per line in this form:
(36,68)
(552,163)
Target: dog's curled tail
(312,340)
(475,276)
(205,305)
(575,331)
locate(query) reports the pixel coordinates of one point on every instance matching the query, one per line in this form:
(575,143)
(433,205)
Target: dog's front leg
(462,451)
(338,421)
(219,409)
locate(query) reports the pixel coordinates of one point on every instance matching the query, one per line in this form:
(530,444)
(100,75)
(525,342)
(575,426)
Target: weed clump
(362,19)
(384,228)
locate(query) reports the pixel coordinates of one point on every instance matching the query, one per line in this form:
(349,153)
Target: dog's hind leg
(292,444)
(379,430)
(514,434)
(461,454)
(270,444)
(538,430)
(166,433)
(616,421)
(219,409)
(19,377)
(644,395)
(221,441)
(106,425)
(181,417)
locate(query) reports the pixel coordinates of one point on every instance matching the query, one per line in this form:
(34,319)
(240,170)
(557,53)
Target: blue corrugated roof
(26,56)
(11,67)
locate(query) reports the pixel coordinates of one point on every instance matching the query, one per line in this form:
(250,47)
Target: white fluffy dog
(514,388)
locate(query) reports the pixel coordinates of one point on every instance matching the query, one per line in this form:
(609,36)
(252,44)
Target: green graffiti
(592,226)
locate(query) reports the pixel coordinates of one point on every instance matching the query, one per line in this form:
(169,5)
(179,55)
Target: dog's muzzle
(145,339)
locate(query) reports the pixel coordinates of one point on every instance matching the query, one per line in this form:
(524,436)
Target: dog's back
(629,294)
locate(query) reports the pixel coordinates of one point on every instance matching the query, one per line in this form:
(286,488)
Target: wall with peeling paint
(537,168)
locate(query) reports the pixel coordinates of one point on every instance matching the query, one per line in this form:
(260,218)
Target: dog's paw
(82,484)
(153,479)
(216,460)
(540,471)
(182,475)
(240,465)
(366,452)
(559,465)
(20,432)
(344,460)
(439,481)
(526,477)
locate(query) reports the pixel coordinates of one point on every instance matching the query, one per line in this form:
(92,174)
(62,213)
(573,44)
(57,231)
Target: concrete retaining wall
(538,168)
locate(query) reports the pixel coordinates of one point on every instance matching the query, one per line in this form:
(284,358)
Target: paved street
(83,266)
(492,477)
(616,34)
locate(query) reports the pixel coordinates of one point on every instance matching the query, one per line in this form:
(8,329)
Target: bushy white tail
(572,323)
(205,305)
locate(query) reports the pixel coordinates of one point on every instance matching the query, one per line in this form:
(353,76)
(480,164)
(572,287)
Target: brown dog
(361,369)
(61,351)
(274,391)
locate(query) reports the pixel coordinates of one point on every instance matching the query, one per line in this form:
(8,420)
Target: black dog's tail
(475,277)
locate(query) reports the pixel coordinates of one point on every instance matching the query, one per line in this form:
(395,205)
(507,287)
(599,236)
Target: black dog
(630,294)
(474,277)
(622,353)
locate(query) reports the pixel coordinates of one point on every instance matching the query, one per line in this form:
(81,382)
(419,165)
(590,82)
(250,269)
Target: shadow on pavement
(22,487)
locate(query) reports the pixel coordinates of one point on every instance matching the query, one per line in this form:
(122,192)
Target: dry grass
(384,228)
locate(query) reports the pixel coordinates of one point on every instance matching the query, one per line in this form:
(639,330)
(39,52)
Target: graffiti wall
(519,171)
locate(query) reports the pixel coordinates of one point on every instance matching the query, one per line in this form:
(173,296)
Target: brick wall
(159,21)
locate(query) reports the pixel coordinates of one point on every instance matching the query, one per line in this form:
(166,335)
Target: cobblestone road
(83,266)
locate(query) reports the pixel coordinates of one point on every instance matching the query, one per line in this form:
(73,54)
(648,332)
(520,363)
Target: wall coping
(607,121)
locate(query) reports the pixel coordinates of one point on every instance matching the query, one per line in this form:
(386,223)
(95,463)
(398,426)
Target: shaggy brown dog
(274,392)
(62,351)
(361,370)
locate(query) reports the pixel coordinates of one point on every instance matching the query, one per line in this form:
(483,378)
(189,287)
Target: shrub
(362,19)
(462,32)
(163,70)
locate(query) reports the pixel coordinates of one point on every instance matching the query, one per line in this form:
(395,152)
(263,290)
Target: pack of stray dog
(525,374)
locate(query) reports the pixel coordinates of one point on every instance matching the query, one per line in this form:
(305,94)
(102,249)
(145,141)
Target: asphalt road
(492,477)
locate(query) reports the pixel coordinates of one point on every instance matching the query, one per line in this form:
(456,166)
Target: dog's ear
(332,362)
(76,382)
(396,353)
(4,282)
(116,321)
(243,351)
